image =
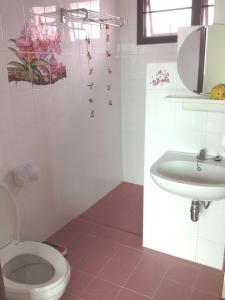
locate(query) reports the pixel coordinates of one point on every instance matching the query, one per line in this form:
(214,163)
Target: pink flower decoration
(160,77)
(40,39)
(53,64)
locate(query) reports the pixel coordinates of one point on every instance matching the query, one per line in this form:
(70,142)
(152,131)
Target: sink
(177,173)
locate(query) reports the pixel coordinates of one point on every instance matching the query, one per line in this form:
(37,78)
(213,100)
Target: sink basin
(177,173)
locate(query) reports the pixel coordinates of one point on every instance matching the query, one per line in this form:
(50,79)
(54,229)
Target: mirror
(200,59)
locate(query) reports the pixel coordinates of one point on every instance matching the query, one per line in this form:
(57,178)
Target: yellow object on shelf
(218,92)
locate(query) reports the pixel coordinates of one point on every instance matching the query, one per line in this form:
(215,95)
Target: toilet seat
(31,270)
(50,255)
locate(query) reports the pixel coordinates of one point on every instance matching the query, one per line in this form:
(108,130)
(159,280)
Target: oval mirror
(200,59)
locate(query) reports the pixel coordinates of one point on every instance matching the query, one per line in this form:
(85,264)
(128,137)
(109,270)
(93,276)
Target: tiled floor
(111,264)
(125,202)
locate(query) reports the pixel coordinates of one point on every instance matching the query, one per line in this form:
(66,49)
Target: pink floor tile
(109,233)
(130,295)
(78,282)
(92,263)
(68,296)
(127,256)
(197,295)
(172,291)
(210,281)
(183,273)
(81,247)
(116,272)
(121,208)
(148,274)
(64,236)
(94,260)
(134,241)
(160,262)
(100,290)
(111,264)
(84,245)
(144,282)
(81,226)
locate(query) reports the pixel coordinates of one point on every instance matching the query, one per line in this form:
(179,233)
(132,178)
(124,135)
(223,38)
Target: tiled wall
(167,224)
(80,157)
(133,75)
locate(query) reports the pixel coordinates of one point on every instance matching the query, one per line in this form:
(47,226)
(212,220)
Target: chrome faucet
(202,155)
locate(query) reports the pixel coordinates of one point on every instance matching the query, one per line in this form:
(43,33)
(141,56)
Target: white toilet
(31,270)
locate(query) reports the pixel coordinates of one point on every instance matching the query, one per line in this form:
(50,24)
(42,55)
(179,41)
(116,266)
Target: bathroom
(102,123)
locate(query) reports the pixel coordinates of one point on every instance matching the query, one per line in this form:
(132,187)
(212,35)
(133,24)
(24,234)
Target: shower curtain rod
(90,16)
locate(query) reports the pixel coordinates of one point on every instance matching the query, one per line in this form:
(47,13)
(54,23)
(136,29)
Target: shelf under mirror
(197,103)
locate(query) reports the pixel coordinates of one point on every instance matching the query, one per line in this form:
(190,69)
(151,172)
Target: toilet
(31,270)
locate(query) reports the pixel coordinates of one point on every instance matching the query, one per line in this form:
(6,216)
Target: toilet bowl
(31,270)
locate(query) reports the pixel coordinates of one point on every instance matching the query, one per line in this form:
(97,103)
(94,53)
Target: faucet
(202,155)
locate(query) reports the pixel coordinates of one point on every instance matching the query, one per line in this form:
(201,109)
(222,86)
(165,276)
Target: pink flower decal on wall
(36,49)
(161,77)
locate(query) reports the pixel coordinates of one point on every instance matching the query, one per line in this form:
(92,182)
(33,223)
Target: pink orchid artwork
(36,49)
(160,78)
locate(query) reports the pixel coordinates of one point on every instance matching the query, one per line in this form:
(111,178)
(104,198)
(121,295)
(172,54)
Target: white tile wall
(134,60)
(80,158)
(167,224)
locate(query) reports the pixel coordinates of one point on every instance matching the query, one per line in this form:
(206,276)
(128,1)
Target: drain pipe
(196,208)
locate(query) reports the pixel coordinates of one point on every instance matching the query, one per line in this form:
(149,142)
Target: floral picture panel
(36,52)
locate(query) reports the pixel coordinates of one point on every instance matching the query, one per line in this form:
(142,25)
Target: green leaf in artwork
(31,73)
(16,52)
(38,73)
(17,65)
(39,62)
(12,40)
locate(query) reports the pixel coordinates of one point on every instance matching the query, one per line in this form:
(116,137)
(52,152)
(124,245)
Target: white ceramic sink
(177,172)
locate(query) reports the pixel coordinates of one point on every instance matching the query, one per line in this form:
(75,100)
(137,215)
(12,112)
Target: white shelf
(198,103)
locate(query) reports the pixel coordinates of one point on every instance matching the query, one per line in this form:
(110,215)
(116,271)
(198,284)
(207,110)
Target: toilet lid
(8,217)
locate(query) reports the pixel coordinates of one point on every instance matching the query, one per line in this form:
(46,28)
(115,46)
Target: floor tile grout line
(115,242)
(135,268)
(181,283)
(121,287)
(208,293)
(117,294)
(160,282)
(97,274)
(194,285)
(125,288)
(136,292)
(108,226)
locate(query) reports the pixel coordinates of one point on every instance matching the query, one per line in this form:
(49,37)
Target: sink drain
(195,210)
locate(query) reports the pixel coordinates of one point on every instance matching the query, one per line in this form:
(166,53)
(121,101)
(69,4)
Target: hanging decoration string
(109,68)
(91,83)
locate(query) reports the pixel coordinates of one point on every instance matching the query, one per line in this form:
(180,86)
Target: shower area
(61,111)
